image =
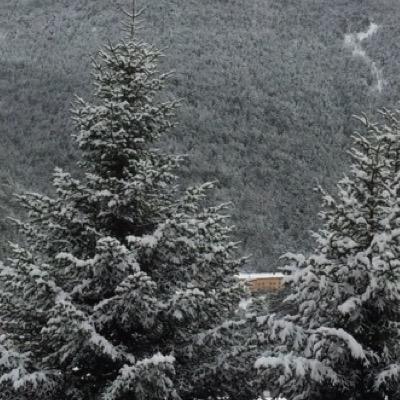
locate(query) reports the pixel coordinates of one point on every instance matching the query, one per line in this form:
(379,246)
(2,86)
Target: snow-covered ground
(260,275)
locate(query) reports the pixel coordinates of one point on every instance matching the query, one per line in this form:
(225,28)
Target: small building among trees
(263,282)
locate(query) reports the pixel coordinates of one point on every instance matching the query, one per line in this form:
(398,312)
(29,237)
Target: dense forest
(268,90)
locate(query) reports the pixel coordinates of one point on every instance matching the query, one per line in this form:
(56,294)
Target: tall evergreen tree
(342,339)
(120,271)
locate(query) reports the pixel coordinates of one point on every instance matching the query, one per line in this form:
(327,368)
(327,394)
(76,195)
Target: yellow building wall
(270,284)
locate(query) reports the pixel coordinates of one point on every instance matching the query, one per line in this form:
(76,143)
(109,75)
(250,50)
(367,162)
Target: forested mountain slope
(268,88)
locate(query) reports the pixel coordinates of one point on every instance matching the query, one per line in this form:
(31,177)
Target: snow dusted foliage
(336,337)
(121,270)
(341,340)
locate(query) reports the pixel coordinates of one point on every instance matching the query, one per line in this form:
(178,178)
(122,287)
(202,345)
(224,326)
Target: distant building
(263,282)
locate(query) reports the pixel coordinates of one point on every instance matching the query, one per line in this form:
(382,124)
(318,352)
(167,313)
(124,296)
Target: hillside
(268,90)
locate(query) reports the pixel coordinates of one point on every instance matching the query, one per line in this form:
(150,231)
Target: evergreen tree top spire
(133,21)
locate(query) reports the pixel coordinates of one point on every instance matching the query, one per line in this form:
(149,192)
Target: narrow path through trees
(354,42)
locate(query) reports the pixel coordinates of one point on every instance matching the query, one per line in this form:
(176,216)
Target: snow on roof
(260,275)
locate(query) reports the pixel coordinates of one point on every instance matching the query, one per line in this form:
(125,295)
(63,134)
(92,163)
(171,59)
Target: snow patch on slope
(354,42)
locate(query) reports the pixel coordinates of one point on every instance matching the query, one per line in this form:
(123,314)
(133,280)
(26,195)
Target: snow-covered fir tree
(120,270)
(341,340)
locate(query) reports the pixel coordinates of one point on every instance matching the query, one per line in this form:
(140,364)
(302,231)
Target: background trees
(337,335)
(268,89)
(346,294)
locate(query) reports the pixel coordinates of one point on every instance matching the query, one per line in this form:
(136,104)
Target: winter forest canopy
(121,280)
(268,90)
